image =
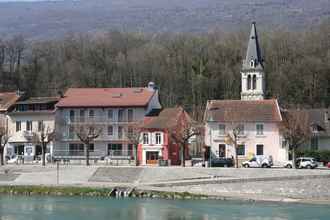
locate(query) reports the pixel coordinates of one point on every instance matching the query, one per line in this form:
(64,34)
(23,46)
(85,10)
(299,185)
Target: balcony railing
(96,119)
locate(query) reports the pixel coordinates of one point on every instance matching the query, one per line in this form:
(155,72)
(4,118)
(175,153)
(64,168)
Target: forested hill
(49,19)
(188,68)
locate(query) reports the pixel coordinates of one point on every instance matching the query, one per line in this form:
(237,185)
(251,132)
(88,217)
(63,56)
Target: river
(65,208)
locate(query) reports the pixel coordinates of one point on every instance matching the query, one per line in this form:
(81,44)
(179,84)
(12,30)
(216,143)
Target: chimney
(60,93)
(152,86)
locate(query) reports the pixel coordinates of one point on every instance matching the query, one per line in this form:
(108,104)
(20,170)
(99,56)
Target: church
(257,118)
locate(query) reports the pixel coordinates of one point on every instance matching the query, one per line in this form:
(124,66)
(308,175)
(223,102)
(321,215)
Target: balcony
(96,120)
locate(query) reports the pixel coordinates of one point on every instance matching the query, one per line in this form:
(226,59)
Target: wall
(270,139)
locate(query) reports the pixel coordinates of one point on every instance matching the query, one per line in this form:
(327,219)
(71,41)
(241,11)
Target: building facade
(257,119)
(111,110)
(28,118)
(156,138)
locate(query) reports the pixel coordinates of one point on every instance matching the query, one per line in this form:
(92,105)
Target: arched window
(254,82)
(248,82)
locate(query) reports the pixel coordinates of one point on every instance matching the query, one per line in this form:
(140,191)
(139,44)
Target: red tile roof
(106,97)
(7,99)
(167,118)
(243,111)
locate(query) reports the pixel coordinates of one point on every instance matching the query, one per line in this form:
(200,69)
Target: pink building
(156,140)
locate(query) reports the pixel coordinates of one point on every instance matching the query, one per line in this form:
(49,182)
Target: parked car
(328,164)
(222,162)
(303,163)
(217,162)
(259,161)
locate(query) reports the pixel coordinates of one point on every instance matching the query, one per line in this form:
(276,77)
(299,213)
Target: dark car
(222,162)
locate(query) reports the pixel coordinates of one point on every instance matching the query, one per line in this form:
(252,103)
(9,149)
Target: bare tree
(43,137)
(4,137)
(296,130)
(232,137)
(87,132)
(133,134)
(183,132)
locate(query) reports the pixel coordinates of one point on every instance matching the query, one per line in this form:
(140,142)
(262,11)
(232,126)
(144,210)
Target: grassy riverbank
(93,191)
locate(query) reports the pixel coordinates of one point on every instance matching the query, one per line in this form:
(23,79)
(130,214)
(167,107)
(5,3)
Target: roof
(243,111)
(253,51)
(39,100)
(167,118)
(7,99)
(106,97)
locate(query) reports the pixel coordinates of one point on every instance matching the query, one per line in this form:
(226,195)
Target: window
(121,115)
(252,63)
(130,131)
(120,132)
(110,130)
(260,129)
(240,151)
(76,149)
(72,116)
(18,126)
(260,149)
(240,129)
(115,149)
(254,82)
(91,147)
(40,125)
(110,115)
(145,138)
(71,132)
(222,129)
(222,150)
(91,113)
(29,125)
(158,138)
(130,115)
(82,115)
(248,82)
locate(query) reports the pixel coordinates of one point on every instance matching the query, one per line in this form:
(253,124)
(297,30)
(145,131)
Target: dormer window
(252,63)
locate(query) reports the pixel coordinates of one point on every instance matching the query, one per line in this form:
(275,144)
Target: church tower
(252,72)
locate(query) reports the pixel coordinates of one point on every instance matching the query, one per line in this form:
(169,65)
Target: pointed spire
(253,55)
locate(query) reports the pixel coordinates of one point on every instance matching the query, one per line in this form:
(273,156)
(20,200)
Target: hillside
(53,19)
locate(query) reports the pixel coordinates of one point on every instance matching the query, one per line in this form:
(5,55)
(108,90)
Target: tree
(87,132)
(185,129)
(4,137)
(232,138)
(133,134)
(43,137)
(296,130)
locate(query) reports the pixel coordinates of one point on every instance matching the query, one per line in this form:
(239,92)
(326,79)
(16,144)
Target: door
(19,150)
(152,157)
(222,150)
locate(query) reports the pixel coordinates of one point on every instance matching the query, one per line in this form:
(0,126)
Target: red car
(328,164)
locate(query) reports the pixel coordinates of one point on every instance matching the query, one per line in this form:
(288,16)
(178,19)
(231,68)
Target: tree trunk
(236,157)
(294,158)
(136,154)
(43,151)
(1,156)
(87,154)
(183,155)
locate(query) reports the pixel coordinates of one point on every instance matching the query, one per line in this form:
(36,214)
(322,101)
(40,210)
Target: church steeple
(252,69)
(253,53)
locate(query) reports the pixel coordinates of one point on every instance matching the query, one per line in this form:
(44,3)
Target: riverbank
(276,185)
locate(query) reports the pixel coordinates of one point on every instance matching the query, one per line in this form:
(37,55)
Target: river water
(64,208)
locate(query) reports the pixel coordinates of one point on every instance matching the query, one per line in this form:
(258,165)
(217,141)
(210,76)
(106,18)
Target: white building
(26,120)
(111,109)
(257,119)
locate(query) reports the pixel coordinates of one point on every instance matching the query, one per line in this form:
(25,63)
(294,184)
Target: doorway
(152,157)
(222,150)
